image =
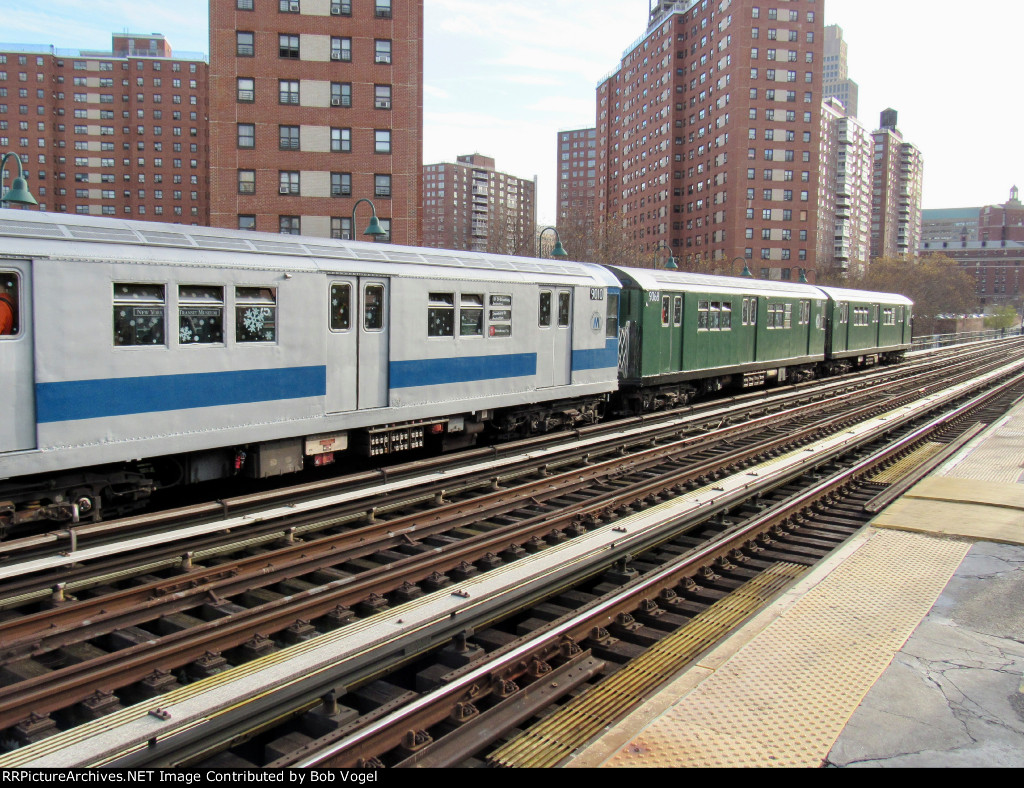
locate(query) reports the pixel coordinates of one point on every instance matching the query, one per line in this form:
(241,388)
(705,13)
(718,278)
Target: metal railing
(931,341)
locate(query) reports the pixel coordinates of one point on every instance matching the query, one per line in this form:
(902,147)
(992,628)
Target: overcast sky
(502,77)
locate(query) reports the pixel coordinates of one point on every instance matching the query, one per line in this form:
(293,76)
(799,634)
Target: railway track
(158,644)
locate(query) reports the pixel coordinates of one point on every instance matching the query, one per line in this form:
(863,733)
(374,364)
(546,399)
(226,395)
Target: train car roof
(208,245)
(845,294)
(658,279)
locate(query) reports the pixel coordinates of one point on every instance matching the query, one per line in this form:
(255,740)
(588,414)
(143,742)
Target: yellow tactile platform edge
(784,697)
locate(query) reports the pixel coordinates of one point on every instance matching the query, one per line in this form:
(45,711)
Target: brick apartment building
(315,105)
(470,205)
(898,172)
(577,175)
(708,135)
(120,133)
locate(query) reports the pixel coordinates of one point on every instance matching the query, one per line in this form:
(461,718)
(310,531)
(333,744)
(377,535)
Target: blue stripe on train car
(603,358)
(94,399)
(440,371)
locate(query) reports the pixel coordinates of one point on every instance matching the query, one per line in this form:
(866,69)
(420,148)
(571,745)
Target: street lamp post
(670,264)
(19,192)
(374,230)
(558,251)
(746,271)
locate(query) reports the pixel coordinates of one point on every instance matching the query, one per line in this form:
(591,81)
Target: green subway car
(684,334)
(866,328)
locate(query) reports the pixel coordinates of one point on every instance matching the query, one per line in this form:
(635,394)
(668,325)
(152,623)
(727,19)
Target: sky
(503,77)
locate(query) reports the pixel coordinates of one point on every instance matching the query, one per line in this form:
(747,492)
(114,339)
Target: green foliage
(1004,317)
(935,283)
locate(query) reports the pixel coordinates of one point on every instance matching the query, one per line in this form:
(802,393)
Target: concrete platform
(864,662)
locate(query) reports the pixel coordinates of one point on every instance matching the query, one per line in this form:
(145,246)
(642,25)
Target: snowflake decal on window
(253,320)
(185,334)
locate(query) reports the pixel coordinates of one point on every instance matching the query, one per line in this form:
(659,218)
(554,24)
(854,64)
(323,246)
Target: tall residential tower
(315,105)
(708,135)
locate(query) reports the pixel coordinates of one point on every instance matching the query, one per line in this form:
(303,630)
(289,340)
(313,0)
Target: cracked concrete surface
(952,696)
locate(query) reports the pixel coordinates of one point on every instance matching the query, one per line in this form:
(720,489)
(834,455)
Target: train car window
(255,314)
(471,315)
(200,315)
(611,323)
(373,307)
(715,316)
(441,315)
(341,305)
(9,298)
(703,310)
(677,311)
(564,300)
(665,302)
(138,314)
(787,321)
(727,317)
(544,310)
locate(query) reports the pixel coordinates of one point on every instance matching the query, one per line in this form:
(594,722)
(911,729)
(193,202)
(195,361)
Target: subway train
(136,356)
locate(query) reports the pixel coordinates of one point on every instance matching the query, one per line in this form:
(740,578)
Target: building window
(288,137)
(289,182)
(382,186)
(246,135)
(381,51)
(382,9)
(245,45)
(341,140)
(341,8)
(242,5)
(382,141)
(341,49)
(288,6)
(247,181)
(341,184)
(288,46)
(382,97)
(341,94)
(288,91)
(341,228)
(246,222)
(246,89)
(288,225)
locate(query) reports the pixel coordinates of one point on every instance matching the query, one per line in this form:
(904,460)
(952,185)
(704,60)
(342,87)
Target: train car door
(554,337)
(374,344)
(342,344)
(17,363)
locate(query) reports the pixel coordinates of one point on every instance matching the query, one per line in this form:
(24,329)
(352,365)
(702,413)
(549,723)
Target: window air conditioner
(336,55)
(336,101)
(284,190)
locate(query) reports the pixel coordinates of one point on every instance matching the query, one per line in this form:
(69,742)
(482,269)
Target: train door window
(844,312)
(726,316)
(677,311)
(703,312)
(544,310)
(373,308)
(805,313)
(200,315)
(471,315)
(9,299)
(715,316)
(899,314)
(611,323)
(341,307)
(874,313)
(666,301)
(787,321)
(138,314)
(441,315)
(255,314)
(564,300)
